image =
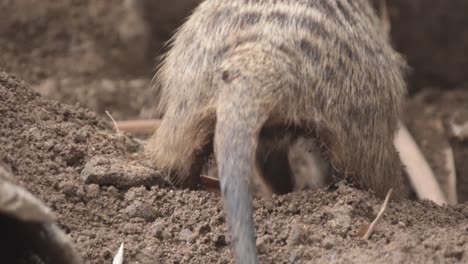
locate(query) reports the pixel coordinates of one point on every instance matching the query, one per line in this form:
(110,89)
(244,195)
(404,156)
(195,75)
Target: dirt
(77,44)
(103,193)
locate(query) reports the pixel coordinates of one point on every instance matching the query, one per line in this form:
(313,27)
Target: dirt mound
(78,45)
(59,39)
(48,144)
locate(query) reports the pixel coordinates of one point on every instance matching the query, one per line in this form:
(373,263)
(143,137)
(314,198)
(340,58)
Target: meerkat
(285,163)
(239,71)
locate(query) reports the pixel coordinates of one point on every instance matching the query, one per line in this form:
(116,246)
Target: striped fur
(238,67)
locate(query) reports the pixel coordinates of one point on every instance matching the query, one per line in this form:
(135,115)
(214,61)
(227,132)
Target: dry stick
(379,216)
(123,138)
(115,123)
(139,127)
(211,184)
(451,177)
(419,172)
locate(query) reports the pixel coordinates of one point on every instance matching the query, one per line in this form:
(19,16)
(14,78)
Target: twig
(451,177)
(211,184)
(379,216)
(115,123)
(419,172)
(139,127)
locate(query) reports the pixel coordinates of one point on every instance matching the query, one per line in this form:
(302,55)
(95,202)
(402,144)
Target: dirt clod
(119,173)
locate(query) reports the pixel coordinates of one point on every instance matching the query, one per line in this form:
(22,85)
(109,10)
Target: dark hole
(226,76)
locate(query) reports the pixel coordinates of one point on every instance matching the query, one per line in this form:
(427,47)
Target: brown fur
(237,68)
(286,161)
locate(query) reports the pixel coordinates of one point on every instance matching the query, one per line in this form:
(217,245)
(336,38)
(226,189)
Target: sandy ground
(57,140)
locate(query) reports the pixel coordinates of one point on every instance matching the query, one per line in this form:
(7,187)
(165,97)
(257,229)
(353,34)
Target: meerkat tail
(234,169)
(235,166)
(236,140)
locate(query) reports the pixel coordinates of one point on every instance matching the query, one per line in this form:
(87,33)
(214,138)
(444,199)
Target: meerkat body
(239,69)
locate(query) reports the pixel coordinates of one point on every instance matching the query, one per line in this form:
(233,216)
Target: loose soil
(68,154)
